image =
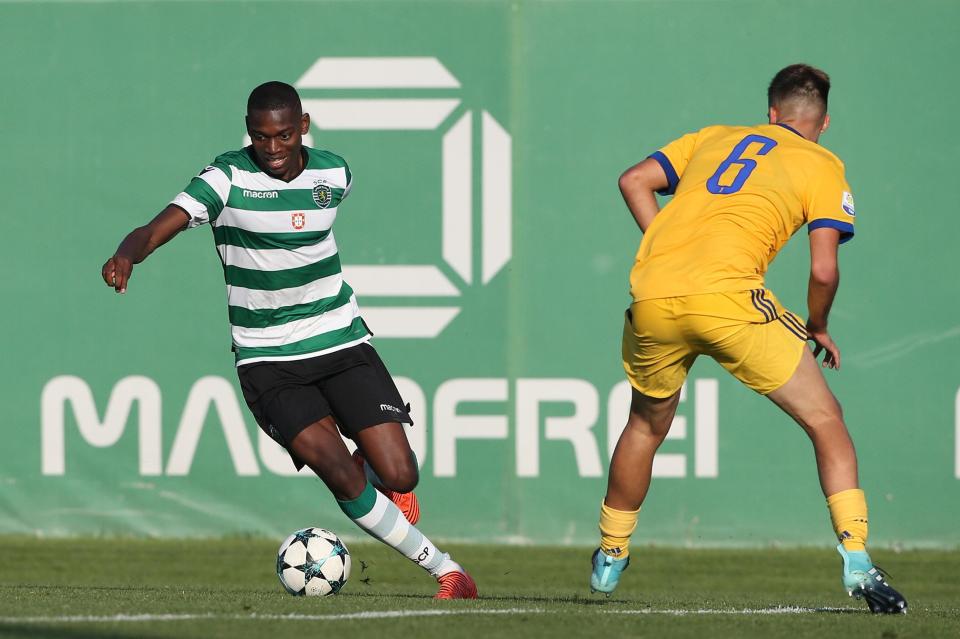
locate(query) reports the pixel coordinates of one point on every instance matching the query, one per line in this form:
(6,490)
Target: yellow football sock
(616,526)
(848,512)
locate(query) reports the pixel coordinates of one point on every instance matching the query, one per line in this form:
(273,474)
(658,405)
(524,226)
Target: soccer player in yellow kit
(739,193)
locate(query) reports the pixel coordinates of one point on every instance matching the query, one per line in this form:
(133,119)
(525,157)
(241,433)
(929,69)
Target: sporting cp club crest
(322,194)
(299,219)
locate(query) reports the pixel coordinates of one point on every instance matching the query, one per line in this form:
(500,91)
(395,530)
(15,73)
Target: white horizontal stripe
(400,321)
(375,515)
(217,180)
(398,280)
(378,73)
(780,610)
(291,358)
(401,528)
(398,614)
(336,177)
(196,210)
(277,259)
(276,221)
(255,299)
(293,616)
(380,114)
(291,332)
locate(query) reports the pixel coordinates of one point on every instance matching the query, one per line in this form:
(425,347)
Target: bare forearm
(144,240)
(638,185)
(642,204)
(136,246)
(821,291)
(140,243)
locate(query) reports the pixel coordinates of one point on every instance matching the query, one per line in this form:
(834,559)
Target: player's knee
(828,419)
(401,478)
(649,428)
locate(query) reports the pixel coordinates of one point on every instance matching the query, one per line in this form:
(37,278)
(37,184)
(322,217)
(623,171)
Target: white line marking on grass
(780,610)
(108,618)
(382,614)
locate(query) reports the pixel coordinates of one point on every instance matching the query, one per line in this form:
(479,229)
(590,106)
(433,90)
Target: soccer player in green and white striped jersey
(302,350)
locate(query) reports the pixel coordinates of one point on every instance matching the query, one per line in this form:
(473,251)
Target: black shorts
(351,385)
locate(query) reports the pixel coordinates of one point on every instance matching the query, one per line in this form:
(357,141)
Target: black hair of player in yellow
(798,87)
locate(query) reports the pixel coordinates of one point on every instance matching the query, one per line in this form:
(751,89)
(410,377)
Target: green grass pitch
(125,588)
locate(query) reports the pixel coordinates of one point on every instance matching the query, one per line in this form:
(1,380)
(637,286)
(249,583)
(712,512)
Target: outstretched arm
(638,185)
(824,280)
(141,242)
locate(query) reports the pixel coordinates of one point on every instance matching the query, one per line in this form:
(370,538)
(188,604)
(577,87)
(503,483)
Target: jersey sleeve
(673,158)
(206,195)
(829,203)
(348,176)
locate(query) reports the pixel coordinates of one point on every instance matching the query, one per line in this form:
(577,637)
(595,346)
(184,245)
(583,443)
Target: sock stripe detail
(399,535)
(382,520)
(373,518)
(361,506)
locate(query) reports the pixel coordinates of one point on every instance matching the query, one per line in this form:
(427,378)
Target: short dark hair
(274,96)
(800,83)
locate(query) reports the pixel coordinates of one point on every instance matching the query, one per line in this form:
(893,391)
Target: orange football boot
(456,585)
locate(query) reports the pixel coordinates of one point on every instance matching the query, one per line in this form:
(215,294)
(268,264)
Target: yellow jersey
(739,193)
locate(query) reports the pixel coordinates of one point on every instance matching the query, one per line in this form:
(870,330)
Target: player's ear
(304,124)
(773,115)
(826,123)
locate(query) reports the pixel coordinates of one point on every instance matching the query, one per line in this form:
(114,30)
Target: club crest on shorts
(299,220)
(847,203)
(322,194)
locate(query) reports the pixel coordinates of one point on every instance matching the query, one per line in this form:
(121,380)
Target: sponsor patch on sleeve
(847,203)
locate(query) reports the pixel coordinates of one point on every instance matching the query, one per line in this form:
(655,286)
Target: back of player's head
(799,88)
(274,96)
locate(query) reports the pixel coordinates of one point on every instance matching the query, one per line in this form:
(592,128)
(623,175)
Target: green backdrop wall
(485,139)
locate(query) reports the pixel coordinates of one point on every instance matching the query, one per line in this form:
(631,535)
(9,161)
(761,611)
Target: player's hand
(823,342)
(116,272)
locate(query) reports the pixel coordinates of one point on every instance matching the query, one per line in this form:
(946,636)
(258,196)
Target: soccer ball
(313,562)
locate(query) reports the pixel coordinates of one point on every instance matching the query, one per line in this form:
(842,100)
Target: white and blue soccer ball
(313,562)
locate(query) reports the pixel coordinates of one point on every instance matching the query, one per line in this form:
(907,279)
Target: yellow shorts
(749,333)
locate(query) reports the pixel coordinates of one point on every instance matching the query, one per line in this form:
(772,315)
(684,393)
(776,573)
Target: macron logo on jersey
(261,195)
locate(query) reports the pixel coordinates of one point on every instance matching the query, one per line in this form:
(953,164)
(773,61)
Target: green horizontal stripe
(224,166)
(242,159)
(354,331)
(276,280)
(285,199)
(264,317)
(234,236)
(199,190)
(320,159)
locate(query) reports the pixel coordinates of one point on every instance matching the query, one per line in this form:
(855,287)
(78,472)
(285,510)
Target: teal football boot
(863,580)
(606,572)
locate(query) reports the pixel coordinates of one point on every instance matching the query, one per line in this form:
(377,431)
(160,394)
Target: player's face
(276,137)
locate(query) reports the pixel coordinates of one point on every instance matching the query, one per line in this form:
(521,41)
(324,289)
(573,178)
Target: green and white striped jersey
(285,293)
